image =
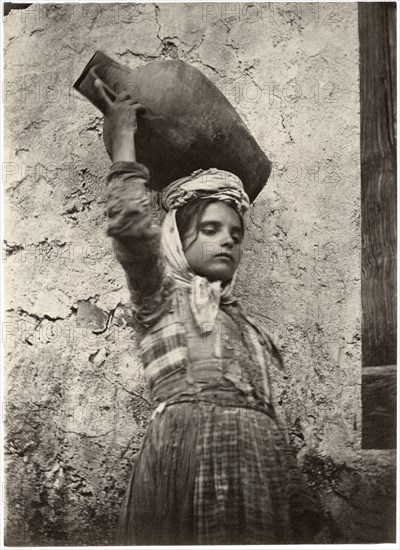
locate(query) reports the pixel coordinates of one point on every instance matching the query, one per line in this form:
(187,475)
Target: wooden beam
(377,32)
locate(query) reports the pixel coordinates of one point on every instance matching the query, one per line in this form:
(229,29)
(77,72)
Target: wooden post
(377,33)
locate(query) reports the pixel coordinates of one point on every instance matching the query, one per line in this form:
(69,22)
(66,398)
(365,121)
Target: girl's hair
(194,210)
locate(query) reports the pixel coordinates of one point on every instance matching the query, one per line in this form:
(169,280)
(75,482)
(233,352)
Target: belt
(268,409)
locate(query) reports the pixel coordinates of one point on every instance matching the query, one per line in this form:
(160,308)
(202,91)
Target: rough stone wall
(76,403)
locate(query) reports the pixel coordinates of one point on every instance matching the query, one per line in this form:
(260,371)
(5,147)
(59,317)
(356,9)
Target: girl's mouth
(224,256)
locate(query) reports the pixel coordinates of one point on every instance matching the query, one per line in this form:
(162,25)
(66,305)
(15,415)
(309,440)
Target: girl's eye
(208,231)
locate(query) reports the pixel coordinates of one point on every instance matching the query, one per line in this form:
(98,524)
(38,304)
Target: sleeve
(136,239)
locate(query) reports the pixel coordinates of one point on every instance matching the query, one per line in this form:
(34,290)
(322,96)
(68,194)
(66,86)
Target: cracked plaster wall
(76,403)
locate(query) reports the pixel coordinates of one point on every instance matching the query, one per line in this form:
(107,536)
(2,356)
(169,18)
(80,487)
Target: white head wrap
(207,184)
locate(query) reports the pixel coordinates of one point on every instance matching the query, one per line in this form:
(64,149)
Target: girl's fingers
(102,92)
(124,101)
(139,107)
(128,97)
(133,104)
(123,96)
(132,101)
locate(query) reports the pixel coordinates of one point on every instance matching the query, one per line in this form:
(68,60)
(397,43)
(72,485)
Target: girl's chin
(222,275)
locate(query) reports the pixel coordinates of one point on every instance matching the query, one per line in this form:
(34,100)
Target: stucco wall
(76,404)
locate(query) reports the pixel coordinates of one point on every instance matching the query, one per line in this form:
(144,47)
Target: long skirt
(211,474)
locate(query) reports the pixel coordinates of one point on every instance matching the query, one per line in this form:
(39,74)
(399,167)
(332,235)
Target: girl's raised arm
(135,234)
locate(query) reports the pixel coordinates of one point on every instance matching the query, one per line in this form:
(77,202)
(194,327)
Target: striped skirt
(211,474)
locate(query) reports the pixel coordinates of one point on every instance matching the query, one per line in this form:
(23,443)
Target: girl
(214,466)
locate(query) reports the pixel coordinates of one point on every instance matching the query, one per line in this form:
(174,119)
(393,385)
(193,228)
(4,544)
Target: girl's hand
(121,122)
(123,111)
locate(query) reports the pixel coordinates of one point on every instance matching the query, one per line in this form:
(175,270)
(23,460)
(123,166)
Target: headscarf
(204,296)
(206,184)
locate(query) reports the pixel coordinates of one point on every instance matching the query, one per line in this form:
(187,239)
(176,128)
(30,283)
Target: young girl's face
(215,251)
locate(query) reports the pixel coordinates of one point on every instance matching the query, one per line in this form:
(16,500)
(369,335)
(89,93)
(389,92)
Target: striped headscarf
(207,184)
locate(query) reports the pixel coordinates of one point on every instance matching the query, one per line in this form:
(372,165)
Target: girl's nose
(227,240)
